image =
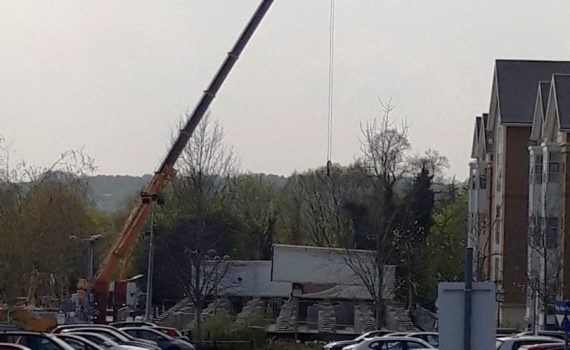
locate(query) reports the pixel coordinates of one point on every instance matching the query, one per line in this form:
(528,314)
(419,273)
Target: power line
(331,86)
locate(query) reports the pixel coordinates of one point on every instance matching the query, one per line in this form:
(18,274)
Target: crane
(122,247)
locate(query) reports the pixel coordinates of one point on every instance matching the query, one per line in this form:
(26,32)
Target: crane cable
(331,88)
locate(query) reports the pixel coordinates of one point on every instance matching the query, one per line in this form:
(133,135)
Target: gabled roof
(560,88)
(476,137)
(540,110)
(515,85)
(479,146)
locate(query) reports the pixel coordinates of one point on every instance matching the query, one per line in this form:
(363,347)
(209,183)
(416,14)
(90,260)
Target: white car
(338,345)
(390,343)
(515,343)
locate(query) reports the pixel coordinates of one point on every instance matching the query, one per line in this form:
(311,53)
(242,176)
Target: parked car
(548,346)
(173,332)
(9,346)
(338,345)
(432,338)
(102,341)
(390,343)
(35,341)
(117,335)
(397,334)
(552,334)
(62,328)
(164,341)
(133,324)
(515,343)
(79,343)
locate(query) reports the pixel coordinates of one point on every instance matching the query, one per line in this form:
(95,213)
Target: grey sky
(114,76)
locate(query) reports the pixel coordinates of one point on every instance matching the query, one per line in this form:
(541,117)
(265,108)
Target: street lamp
(500,297)
(90,251)
(152,198)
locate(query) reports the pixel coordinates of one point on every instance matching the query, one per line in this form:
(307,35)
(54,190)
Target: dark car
(117,335)
(173,332)
(8,346)
(35,341)
(165,342)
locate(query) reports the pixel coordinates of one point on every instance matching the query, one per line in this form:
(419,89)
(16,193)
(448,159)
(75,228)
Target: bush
(218,326)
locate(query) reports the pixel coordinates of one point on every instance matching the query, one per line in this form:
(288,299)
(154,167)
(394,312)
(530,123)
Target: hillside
(110,192)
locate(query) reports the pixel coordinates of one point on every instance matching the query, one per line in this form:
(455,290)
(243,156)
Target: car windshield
(118,337)
(99,339)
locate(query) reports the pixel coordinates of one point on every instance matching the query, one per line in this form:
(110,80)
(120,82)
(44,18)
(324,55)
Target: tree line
(388,200)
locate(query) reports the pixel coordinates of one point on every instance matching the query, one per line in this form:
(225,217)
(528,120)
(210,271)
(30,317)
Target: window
(414,345)
(473,182)
(552,233)
(483,182)
(433,340)
(77,345)
(553,172)
(149,335)
(497,268)
(537,174)
(497,230)
(393,345)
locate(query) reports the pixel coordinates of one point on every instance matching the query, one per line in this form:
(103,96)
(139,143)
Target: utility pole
(468,298)
(91,254)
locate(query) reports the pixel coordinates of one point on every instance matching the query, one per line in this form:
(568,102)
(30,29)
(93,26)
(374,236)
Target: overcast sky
(114,76)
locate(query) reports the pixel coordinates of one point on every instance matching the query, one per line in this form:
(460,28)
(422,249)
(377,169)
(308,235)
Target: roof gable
(516,83)
(561,90)
(476,137)
(540,110)
(551,116)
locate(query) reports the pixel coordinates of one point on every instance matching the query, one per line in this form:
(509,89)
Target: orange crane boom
(124,243)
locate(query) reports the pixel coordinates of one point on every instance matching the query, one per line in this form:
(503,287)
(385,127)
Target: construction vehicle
(108,304)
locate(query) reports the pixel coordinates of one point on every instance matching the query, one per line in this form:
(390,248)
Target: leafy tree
(40,209)
(442,257)
(415,220)
(255,205)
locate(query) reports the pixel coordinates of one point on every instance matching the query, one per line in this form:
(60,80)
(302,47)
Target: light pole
(500,295)
(91,243)
(90,251)
(152,198)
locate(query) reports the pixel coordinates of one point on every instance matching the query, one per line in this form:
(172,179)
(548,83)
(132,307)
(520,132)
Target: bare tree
(198,229)
(384,148)
(544,269)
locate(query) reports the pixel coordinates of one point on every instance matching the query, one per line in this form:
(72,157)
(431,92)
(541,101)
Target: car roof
(531,337)
(77,337)
(145,329)
(400,338)
(80,325)
(14,346)
(50,336)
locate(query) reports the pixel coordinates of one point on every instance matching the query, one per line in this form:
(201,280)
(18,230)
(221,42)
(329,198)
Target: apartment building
(515,189)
